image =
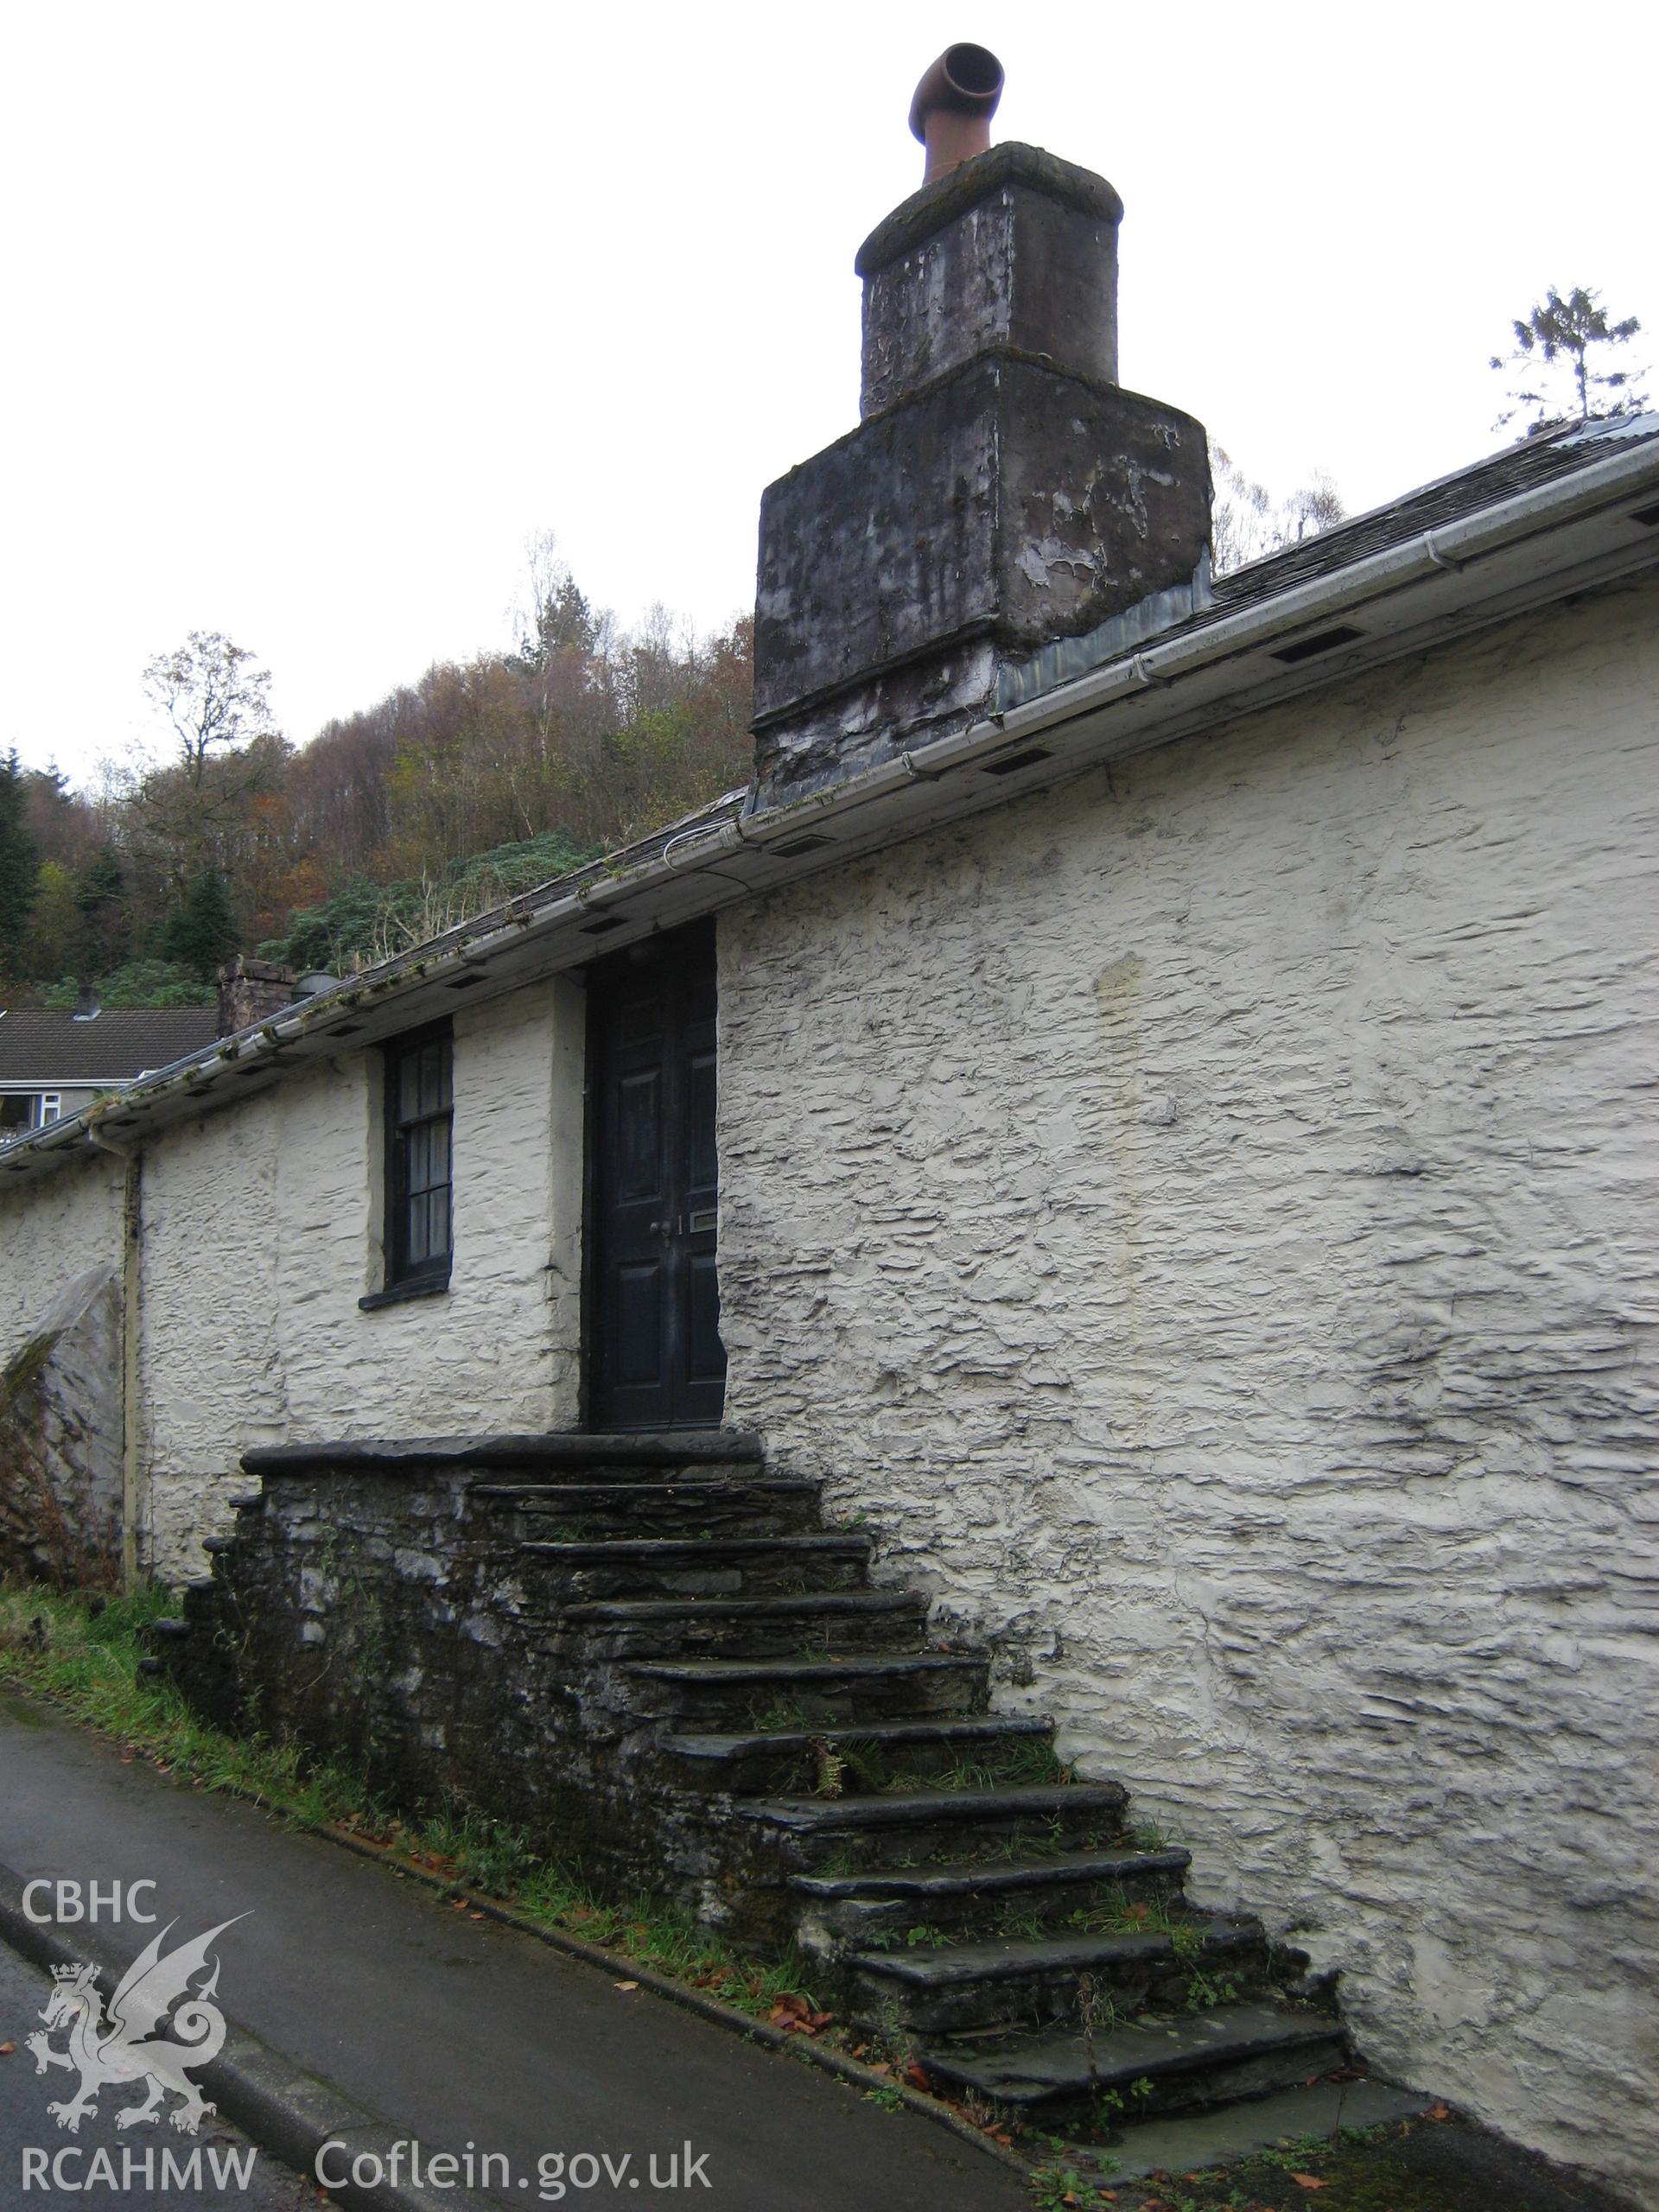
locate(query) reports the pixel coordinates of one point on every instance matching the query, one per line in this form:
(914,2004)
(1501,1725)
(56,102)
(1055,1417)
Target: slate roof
(1536,461)
(42,1046)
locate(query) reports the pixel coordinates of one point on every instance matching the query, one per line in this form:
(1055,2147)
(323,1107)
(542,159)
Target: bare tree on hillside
(1247,523)
(213,693)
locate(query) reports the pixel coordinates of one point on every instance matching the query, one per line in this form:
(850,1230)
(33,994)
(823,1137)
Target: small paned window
(419,1115)
(51,1106)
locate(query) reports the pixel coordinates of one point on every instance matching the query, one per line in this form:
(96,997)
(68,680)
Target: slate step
(578,1450)
(764,1627)
(939,1987)
(1187,2061)
(967,1899)
(895,1756)
(908,1827)
(687,1567)
(1221,2134)
(744,1504)
(828,1691)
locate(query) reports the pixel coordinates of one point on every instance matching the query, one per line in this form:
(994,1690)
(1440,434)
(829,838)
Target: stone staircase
(658,1632)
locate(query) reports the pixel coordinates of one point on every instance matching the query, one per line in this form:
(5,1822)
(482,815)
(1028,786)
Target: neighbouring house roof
(41,1049)
(1569,510)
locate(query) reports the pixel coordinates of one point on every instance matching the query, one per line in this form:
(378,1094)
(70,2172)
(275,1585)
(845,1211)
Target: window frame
(53,1100)
(404,1275)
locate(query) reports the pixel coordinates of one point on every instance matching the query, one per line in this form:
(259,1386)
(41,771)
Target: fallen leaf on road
(880,2067)
(624,1985)
(6,2050)
(917,2076)
(1439,2112)
(474,1915)
(1309,2181)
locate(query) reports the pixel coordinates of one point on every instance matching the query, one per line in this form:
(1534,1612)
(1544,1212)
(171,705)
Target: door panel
(656,1360)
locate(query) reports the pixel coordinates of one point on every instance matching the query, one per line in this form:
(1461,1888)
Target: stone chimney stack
(250,991)
(1003,491)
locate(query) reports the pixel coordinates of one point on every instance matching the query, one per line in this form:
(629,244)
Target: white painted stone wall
(1206,1216)
(260,1234)
(52,1228)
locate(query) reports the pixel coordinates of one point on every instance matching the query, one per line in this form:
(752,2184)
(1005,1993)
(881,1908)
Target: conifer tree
(1559,346)
(103,929)
(20,863)
(205,932)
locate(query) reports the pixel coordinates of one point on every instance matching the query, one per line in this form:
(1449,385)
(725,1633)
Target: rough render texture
(61,1439)
(259,1236)
(1216,1246)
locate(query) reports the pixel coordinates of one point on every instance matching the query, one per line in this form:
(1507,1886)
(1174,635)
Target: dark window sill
(400,1293)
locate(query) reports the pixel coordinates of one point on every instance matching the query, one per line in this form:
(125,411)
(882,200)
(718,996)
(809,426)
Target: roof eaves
(903,793)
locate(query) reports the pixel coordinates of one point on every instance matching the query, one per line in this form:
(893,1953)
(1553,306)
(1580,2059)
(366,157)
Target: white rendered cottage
(1150,1095)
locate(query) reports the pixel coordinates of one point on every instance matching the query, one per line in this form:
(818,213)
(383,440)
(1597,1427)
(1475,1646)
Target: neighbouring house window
(16,1114)
(419,1114)
(51,1106)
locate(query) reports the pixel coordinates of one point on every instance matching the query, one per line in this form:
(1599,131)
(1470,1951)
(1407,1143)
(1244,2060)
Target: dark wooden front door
(656,1360)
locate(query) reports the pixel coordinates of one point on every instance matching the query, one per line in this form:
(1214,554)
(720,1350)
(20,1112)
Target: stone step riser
(761,1575)
(492,1484)
(604,1516)
(1050,1998)
(944,1838)
(1050,1909)
(787,1636)
(897,1696)
(802,1771)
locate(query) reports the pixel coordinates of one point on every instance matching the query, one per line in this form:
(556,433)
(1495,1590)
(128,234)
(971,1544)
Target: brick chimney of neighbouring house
(1003,491)
(250,991)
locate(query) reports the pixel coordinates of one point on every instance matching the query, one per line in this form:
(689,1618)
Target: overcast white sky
(314,311)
